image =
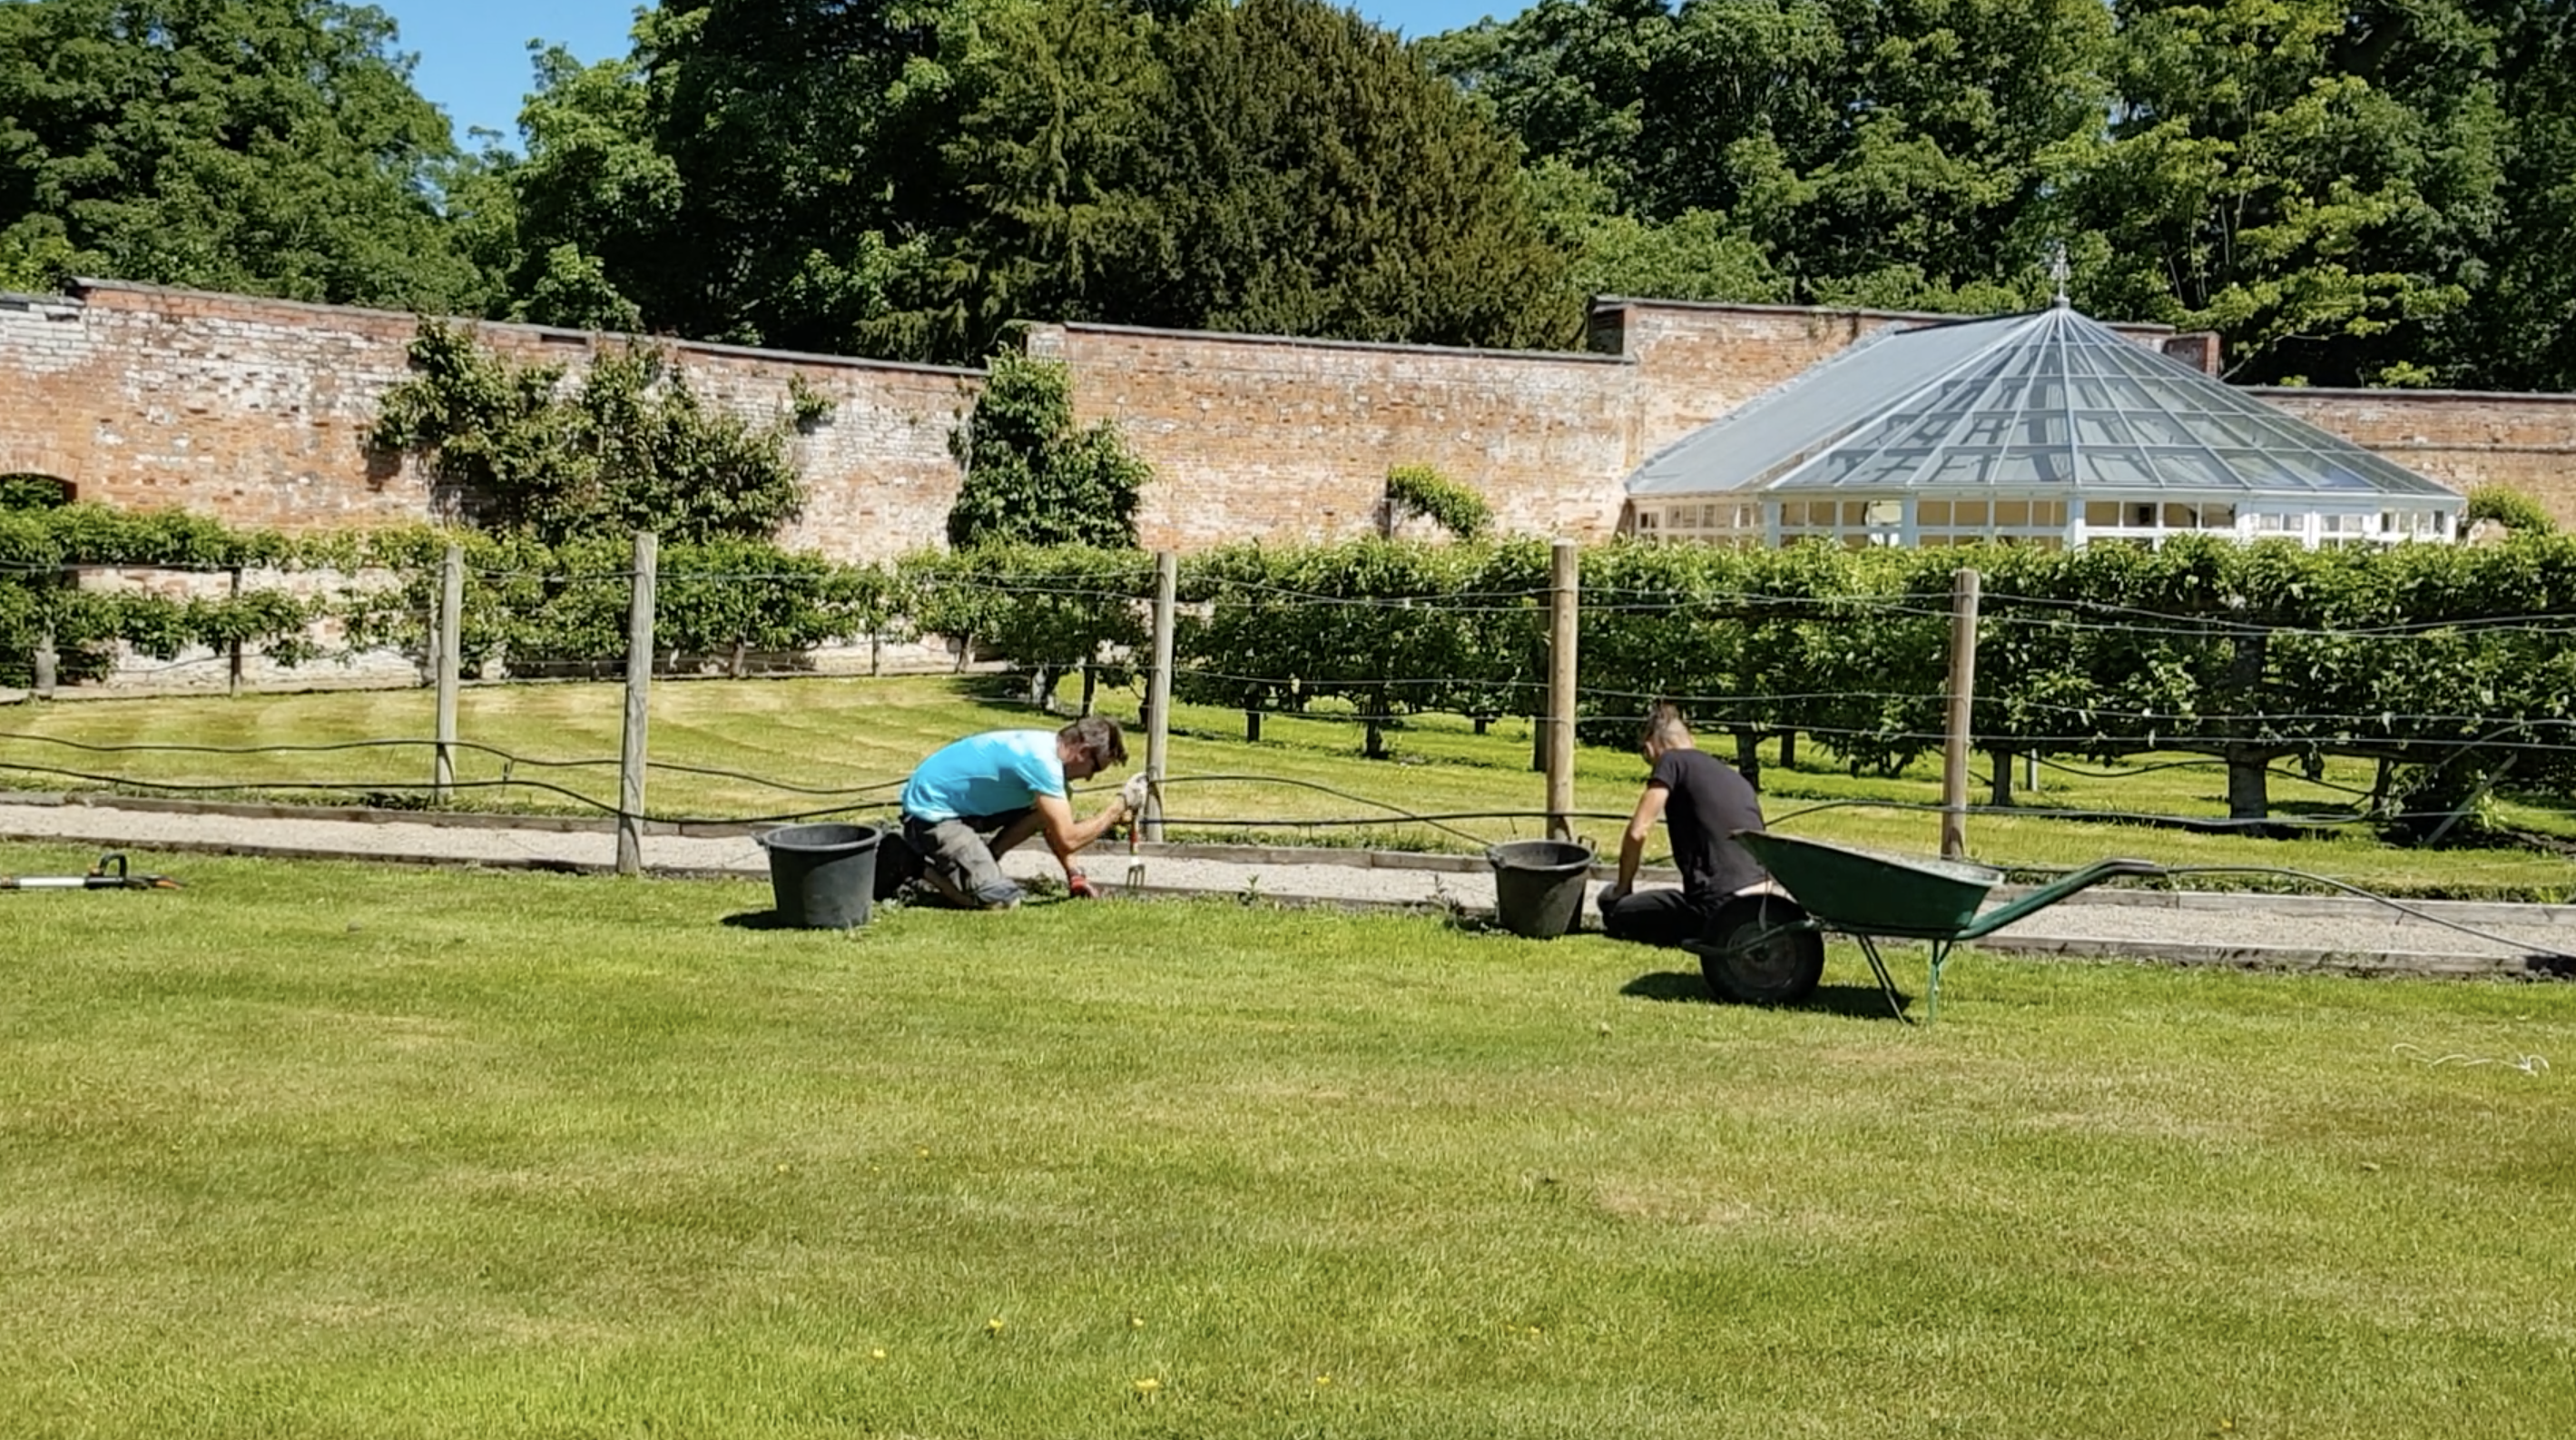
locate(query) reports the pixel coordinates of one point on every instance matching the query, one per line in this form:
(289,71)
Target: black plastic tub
(823,877)
(1538,885)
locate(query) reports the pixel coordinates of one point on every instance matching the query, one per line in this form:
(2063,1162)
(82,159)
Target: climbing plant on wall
(628,446)
(1034,477)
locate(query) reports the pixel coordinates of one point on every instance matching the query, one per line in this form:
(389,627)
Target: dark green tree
(1033,476)
(2319,182)
(1875,152)
(1324,182)
(1052,174)
(803,134)
(595,202)
(2519,332)
(273,147)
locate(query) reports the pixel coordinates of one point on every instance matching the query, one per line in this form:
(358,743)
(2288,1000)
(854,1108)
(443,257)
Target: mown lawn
(323,1150)
(771,749)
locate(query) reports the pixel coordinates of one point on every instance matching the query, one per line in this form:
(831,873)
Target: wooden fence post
(639,694)
(1963,696)
(1158,690)
(1565,581)
(451,659)
(233,677)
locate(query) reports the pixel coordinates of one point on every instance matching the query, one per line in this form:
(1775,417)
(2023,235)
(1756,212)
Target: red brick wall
(256,411)
(1257,436)
(2461,438)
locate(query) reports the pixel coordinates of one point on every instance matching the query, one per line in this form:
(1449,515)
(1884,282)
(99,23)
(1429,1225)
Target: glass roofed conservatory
(2048,429)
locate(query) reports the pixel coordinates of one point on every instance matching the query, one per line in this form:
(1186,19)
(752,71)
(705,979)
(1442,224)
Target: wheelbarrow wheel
(1753,954)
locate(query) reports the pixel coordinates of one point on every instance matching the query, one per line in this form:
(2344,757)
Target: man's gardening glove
(1079,886)
(1133,794)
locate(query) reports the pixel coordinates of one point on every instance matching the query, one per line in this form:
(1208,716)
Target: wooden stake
(1565,581)
(451,659)
(1158,689)
(639,694)
(1963,695)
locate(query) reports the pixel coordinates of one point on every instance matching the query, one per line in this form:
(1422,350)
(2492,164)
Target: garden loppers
(110,873)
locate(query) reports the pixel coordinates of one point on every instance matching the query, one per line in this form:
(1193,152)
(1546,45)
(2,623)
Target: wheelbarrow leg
(1887,987)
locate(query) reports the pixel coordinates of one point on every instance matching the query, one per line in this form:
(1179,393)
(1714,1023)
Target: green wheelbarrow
(1768,947)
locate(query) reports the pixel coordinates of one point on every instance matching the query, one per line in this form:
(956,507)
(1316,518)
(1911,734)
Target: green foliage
(909,181)
(531,608)
(32,492)
(630,448)
(1422,490)
(2507,507)
(1845,154)
(1052,609)
(2246,653)
(1374,623)
(2306,178)
(40,597)
(1032,476)
(274,147)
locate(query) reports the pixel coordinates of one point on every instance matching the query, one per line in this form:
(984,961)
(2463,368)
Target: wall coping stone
(2354,392)
(1305,342)
(555,333)
(1830,312)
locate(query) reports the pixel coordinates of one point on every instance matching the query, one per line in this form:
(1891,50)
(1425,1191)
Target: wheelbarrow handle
(2047,895)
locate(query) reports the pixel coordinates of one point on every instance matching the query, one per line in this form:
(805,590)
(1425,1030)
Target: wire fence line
(1857,653)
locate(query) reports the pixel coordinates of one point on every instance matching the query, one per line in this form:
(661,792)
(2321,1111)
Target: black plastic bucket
(823,877)
(1538,885)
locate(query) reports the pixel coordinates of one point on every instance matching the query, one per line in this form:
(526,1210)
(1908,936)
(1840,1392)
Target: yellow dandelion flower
(1148,1385)
(1323,1379)
(993,1326)
(876,1354)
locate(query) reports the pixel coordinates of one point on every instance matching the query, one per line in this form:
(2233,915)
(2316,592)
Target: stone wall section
(256,411)
(1697,362)
(1260,437)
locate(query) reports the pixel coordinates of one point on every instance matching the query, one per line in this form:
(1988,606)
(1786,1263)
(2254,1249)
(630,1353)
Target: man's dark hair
(1098,738)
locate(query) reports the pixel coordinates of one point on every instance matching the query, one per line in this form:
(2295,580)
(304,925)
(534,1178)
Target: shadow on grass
(758,920)
(1689,987)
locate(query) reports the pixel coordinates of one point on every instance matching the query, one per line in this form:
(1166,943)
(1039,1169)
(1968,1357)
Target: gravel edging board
(2468,912)
(2348,935)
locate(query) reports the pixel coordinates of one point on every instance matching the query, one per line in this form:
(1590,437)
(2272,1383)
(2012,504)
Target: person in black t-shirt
(1702,802)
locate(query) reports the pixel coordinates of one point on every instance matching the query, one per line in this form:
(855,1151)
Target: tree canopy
(2375,192)
(275,147)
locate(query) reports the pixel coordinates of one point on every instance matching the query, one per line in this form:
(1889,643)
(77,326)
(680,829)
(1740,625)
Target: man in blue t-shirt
(971,801)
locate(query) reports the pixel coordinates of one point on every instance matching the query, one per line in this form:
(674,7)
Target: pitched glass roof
(2026,403)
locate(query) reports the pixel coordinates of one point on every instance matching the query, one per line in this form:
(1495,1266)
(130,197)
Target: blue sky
(474,53)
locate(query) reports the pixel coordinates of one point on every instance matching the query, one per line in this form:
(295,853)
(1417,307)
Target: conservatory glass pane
(2126,469)
(2096,428)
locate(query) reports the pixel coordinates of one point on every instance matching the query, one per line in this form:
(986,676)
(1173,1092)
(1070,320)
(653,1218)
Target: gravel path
(2234,929)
